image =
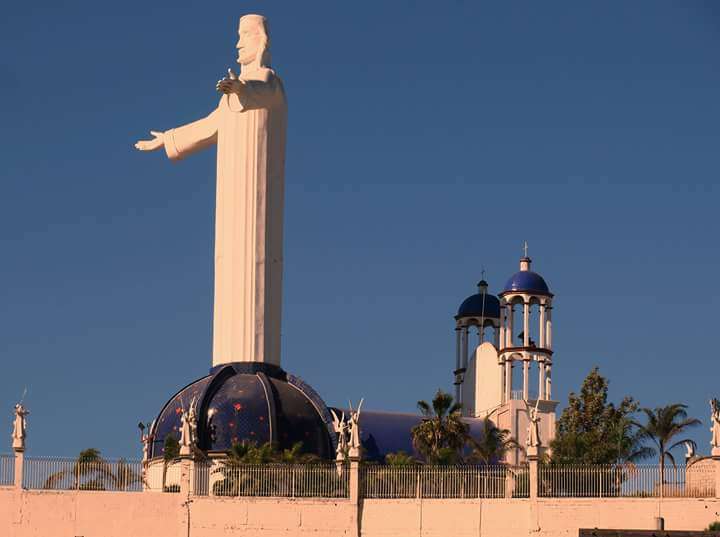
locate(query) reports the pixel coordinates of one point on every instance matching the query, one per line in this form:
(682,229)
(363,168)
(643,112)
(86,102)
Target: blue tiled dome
(527,280)
(250,402)
(479,304)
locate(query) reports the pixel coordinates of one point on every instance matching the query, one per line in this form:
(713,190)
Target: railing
(7,470)
(163,477)
(71,474)
(520,396)
(280,480)
(445,482)
(625,481)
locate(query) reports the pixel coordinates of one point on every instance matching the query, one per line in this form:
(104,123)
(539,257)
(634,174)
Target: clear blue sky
(425,141)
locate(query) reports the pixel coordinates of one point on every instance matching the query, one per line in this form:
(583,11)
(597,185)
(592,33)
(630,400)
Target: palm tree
(442,434)
(493,445)
(89,471)
(627,440)
(234,481)
(400,458)
(295,455)
(124,476)
(664,425)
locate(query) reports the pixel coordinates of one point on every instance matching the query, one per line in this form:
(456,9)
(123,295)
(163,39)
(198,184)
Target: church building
(503,370)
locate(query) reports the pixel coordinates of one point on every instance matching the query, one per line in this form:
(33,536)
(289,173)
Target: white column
(508,379)
(501,370)
(501,346)
(526,379)
(548,382)
(458,350)
(526,324)
(542,326)
(510,328)
(548,329)
(465,350)
(541,381)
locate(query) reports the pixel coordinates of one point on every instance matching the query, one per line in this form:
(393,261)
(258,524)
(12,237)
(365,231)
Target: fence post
(19,467)
(354,480)
(533,469)
(187,476)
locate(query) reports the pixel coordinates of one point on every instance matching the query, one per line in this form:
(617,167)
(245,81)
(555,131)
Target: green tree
(662,427)
(400,458)
(90,471)
(295,455)
(171,451)
(593,431)
(493,444)
(442,434)
(125,476)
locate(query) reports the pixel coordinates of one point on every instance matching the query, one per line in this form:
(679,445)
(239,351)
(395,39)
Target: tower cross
(525,248)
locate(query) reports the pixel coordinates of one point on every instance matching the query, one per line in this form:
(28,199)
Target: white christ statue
(248,126)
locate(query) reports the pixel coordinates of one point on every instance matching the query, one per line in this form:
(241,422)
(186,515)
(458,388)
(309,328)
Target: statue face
(249,42)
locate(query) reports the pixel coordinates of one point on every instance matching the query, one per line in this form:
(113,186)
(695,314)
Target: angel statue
(533,433)
(188,428)
(19,427)
(715,429)
(340,426)
(355,429)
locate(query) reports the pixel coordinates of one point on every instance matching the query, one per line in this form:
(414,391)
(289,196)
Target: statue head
(254,41)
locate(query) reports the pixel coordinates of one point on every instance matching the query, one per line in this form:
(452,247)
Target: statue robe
(249,130)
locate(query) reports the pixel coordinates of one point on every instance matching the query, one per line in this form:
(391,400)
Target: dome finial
(525,260)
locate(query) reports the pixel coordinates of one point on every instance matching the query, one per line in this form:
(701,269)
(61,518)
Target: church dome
(249,402)
(481,304)
(527,281)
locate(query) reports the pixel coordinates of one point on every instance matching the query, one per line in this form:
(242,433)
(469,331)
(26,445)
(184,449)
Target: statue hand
(229,84)
(151,145)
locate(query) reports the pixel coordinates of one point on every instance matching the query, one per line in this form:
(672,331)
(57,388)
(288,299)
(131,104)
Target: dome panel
(238,411)
(298,420)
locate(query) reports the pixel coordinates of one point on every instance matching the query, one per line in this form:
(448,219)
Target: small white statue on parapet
(715,429)
(147,439)
(19,428)
(689,451)
(188,429)
(355,445)
(340,426)
(533,432)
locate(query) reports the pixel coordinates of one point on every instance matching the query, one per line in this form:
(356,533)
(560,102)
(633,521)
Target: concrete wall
(151,514)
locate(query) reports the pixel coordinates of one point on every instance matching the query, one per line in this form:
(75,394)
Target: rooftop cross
(525,247)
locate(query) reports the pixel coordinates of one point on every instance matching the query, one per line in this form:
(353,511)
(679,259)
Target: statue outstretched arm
(190,138)
(185,140)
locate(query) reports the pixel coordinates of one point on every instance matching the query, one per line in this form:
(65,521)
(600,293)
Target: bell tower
(477,329)
(525,356)
(509,371)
